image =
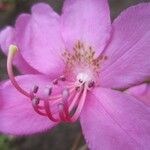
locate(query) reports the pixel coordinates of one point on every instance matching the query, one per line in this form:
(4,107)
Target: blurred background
(64,136)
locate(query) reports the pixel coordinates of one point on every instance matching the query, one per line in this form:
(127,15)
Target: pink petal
(129,50)
(40,39)
(7,38)
(87,21)
(113,120)
(17,116)
(141,92)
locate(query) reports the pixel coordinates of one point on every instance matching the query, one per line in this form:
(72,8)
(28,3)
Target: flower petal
(141,92)
(17,115)
(87,21)
(113,120)
(40,39)
(129,50)
(6,39)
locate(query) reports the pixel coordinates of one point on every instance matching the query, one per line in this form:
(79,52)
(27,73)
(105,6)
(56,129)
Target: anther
(62,78)
(48,91)
(35,89)
(55,81)
(80,81)
(91,84)
(35,101)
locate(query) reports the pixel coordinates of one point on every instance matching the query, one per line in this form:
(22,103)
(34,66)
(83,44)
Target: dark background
(64,136)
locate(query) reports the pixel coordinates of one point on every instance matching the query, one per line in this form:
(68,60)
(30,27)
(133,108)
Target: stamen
(79,107)
(59,97)
(75,99)
(48,91)
(35,101)
(35,89)
(36,109)
(73,95)
(47,108)
(64,113)
(49,112)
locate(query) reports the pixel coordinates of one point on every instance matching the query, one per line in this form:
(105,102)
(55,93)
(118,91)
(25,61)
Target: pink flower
(81,64)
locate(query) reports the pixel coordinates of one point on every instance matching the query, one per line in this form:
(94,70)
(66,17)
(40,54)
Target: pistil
(12,52)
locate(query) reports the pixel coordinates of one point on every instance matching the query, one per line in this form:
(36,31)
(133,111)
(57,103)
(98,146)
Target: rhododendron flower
(80,65)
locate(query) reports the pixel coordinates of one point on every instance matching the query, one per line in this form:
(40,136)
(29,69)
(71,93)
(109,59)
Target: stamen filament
(79,107)
(62,113)
(74,100)
(57,99)
(38,111)
(64,110)
(48,111)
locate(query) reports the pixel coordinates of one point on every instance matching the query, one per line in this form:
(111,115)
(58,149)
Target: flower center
(81,62)
(83,78)
(81,70)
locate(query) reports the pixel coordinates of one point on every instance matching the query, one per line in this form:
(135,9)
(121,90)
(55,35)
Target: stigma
(79,77)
